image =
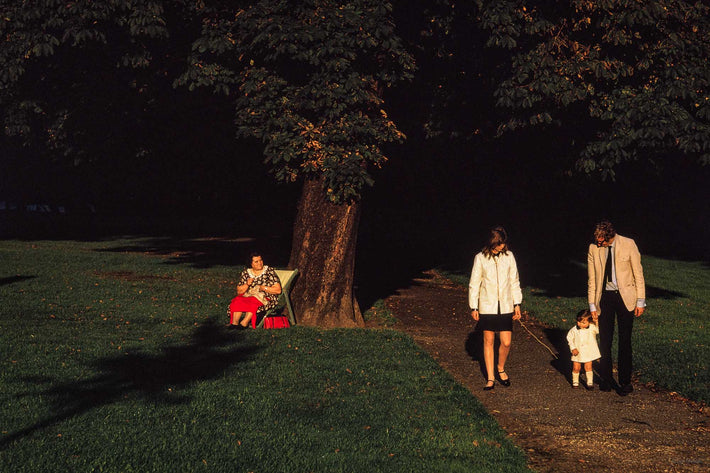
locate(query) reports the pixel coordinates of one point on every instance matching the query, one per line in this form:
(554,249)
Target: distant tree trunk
(323,251)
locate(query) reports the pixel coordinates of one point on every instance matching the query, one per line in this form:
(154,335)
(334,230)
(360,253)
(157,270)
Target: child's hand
(575,352)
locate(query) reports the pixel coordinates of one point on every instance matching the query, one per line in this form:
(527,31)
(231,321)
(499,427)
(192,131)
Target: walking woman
(494,296)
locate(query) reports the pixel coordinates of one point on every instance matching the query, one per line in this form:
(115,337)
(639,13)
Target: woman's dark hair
(496,237)
(252,255)
(605,230)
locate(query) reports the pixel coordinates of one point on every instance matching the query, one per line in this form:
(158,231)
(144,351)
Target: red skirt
(244,304)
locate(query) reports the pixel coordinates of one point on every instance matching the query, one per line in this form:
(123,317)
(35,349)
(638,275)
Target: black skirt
(495,322)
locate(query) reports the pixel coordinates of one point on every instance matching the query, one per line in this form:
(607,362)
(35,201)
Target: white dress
(584,340)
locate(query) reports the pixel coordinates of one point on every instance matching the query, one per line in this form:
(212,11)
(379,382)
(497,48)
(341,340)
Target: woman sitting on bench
(258,290)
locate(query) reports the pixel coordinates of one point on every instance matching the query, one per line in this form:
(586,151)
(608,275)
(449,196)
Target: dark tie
(607,267)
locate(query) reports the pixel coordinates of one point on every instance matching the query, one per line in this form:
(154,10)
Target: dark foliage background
(167,161)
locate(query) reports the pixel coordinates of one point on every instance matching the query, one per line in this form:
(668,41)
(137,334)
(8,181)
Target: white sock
(590,377)
(575,379)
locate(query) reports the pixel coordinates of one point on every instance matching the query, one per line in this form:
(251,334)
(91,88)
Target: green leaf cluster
(36,29)
(637,69)
(307,80)
(53,54)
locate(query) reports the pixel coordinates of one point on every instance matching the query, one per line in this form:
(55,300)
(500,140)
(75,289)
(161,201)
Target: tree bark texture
(323,251)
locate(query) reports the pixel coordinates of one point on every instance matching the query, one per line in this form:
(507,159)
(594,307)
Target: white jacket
(494,279)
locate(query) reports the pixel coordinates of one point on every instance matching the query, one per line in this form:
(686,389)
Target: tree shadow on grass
(209,252)
(154,378)
(13,279)
(379,273)
(570,280)
(653,292)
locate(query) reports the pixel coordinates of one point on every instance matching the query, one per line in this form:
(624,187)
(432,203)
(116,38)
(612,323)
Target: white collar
(251,272)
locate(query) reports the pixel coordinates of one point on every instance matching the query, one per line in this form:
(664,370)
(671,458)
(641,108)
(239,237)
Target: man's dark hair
(605,230)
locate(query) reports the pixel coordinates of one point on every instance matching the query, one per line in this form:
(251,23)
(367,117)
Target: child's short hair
(584,315)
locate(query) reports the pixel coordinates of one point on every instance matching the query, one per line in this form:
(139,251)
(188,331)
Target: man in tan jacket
(615,289)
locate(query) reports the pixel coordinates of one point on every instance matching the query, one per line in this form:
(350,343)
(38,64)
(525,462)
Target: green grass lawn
(670,340)
(119,361)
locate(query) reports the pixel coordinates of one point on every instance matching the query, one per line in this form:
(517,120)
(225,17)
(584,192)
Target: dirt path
(561,429)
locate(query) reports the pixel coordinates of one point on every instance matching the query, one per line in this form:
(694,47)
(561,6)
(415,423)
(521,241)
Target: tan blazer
(629,272)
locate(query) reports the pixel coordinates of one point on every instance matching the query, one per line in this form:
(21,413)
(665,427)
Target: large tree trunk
(323,251)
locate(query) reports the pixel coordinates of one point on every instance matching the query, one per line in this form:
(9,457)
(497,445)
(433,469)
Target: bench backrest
(286,276)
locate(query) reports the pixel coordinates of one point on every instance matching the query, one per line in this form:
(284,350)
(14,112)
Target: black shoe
(233,327)
(626,389)
(605,387)
(505,382)
(492,385)
(589,387)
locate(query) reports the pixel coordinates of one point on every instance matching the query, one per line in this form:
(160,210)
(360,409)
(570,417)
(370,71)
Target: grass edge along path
(113,360)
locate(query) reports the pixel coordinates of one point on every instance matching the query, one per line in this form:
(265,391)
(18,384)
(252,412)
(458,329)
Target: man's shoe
(605,387)
(626,389)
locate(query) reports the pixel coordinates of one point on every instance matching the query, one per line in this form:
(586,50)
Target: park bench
(287,277)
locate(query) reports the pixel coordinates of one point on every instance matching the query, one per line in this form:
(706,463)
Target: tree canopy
(62,60)
(108,81)
(307,80)
(629,78)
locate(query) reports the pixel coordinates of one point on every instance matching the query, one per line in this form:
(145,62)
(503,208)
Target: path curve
(560,429)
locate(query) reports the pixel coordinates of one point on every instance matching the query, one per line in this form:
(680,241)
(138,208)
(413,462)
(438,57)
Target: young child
(582,340)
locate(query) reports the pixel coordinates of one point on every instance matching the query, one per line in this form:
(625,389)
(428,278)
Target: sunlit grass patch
(117,360)
(380,314)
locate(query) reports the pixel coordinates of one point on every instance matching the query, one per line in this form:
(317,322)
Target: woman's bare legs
(488,340)
(247,318)
(503,350)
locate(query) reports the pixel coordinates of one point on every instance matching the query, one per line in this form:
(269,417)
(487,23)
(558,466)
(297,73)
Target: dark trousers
(612,307)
